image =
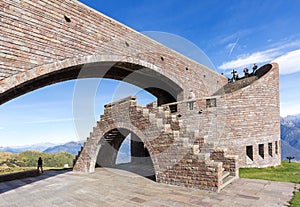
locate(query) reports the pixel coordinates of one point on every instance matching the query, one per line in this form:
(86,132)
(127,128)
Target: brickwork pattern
(49,41)
(180,156)
(37,41)
(252,118)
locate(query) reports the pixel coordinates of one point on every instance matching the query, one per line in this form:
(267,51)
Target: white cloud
(289,109)
(249,59)
(287,54)
(231,46)
(232,37)
(289,62)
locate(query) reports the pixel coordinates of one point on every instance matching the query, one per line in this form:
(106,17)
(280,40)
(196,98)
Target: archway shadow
(144,170)
(6,186)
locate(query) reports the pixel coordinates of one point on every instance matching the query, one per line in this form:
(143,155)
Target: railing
(210,101)
(204,102)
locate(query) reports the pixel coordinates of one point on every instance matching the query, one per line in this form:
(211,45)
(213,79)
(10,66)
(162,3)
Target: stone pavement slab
(112,187)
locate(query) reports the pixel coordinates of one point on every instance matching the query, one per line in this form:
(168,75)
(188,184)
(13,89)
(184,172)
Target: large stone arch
(132,70)
(93,146)
(88,37)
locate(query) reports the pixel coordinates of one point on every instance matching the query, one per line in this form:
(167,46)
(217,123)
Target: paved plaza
(112,187)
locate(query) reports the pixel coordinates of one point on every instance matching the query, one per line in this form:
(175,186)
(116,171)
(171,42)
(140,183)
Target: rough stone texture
(189,147)
(252,118)
(169,144)
(49,41)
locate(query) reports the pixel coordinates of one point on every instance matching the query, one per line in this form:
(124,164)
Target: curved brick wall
(253,118)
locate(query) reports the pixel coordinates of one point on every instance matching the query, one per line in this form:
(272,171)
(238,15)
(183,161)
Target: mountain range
(17,149)
(70,147)
(290,137)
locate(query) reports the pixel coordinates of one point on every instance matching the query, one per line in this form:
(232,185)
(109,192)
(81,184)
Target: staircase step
(204,156)
(145,112)
(196,149)
(173,118)
(167,114)
(225,175)
(180,122)
(228,180)
(205,150)
(151,117)
(176,134)
(167,128)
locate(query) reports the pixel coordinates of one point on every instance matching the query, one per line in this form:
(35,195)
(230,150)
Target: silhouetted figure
(40,165)
(246,72)
(254,68)
(290,158)
(235,75)
(191,103)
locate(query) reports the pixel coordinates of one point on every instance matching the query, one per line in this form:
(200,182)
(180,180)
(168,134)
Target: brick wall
(37,41)
(169,142)
(252,118)
(49,41)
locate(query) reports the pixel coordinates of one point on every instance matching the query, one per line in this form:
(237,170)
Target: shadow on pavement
(6,186)
(144,170)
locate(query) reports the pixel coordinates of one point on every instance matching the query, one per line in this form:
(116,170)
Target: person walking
(40,165)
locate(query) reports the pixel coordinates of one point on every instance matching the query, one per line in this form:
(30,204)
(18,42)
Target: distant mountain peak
(290,136)
(292,117)
(70,147)
(42,147)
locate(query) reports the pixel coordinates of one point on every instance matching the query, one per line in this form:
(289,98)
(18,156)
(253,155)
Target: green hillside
(10,162)
(5,156)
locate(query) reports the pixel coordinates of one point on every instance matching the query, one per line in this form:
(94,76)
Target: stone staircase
(183,154)
(207,150)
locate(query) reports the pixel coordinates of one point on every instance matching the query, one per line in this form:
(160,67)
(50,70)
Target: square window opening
(211,102)
(261,151)
(270,149)
(249,152)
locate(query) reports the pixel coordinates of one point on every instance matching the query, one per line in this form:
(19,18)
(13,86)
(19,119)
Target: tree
(290,158)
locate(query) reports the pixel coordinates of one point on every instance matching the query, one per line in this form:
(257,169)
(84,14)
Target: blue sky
(233,34)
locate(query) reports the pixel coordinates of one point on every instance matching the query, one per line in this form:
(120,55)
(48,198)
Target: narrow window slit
(67,18)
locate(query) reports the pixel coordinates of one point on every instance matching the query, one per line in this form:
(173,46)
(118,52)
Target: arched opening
(159,85)
(155,81)
(135,153)
(46,116)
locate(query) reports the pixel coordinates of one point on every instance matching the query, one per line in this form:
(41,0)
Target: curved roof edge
(246,81)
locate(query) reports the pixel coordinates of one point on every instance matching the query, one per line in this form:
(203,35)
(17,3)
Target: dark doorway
(124,150)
